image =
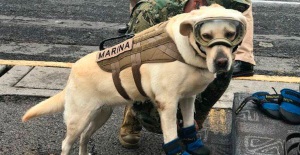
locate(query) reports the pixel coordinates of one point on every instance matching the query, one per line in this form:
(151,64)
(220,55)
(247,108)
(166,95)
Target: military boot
(130,131)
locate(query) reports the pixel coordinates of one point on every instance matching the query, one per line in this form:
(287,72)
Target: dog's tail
(49,106)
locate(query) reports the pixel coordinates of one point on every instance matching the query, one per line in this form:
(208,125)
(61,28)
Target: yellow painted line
(285,79)
(36,63)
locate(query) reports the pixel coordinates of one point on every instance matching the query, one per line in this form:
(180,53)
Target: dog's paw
(197,148)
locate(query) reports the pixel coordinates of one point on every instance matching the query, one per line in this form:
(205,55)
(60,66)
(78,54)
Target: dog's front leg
(187,111)
(167,110)
(188,134)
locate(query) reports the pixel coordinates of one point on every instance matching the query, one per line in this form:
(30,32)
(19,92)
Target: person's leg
(123,29)
(129,135)
(244,55)
(245,50)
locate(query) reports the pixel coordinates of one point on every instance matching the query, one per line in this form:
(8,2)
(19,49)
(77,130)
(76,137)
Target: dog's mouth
(221,71)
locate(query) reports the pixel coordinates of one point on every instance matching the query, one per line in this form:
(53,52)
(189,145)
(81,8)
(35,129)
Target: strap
(246,100)
(260,98)
(200,48)
(117,81)
(188,135)
(236,46)
(136,64)
(136,5)
(173,147)
(126,36)
(294,145)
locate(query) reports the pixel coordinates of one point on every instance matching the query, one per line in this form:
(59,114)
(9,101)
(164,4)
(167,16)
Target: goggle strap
(235,47)
(201,48)
(220,43)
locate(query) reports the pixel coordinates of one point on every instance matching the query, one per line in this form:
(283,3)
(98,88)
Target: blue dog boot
(193,144)
(290,106)
(174,148)
(267,103)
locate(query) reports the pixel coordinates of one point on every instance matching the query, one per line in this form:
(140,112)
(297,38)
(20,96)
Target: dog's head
(214,33)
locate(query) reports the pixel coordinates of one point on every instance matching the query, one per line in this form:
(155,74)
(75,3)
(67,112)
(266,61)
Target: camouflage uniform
(150,12)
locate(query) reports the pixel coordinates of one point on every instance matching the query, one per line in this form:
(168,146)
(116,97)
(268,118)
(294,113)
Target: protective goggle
(231,40)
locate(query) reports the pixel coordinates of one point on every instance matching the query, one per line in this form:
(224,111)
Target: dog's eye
(206,36)
(229,35)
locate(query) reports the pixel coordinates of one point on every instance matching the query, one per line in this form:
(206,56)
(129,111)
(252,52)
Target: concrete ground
(24,86)
(41,40)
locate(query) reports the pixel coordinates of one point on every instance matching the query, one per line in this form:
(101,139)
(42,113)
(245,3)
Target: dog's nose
(222,62)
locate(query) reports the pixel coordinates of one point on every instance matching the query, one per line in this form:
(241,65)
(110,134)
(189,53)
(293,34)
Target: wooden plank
(36,63)
(287,79)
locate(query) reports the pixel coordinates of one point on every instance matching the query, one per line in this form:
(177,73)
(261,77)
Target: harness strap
(136,62)
(143,52)
(117,81)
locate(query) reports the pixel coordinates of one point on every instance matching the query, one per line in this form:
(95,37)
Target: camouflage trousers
(146,14)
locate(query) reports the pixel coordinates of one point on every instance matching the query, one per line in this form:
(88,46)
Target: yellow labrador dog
(205,39)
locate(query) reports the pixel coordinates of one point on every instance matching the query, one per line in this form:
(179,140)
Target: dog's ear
(186,27)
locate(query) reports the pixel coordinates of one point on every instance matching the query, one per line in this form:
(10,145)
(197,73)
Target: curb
(287,79)
(2,69)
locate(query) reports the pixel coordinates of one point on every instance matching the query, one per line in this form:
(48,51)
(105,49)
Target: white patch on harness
(115,50)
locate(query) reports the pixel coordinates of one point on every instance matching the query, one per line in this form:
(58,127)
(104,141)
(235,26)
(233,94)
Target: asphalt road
(55,30)
(43,135)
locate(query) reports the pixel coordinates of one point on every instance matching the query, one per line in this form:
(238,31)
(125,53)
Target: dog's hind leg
(75,125)
(101,116)
(78,114)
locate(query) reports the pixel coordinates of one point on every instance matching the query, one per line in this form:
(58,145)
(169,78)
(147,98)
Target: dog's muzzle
(221,62)
(240,33)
